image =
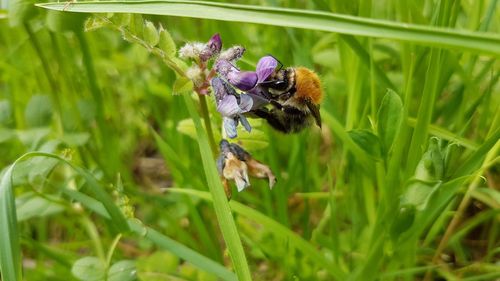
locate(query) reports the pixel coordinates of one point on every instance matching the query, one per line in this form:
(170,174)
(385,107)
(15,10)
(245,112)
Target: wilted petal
(230,127)
(259,170)
(245,123)
(265,67)
(232,54)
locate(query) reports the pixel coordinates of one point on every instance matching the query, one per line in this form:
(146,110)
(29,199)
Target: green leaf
(281,231)
(29,205)
(299,18)
(10,252)
(93,23)
(62,22)
(403,221)
(166,43)
(89,269)
(151,35)
(38,111)
(122,271)
(6,115)
(389,117)
(21,11)
(431,166)
(156,264)
(182,85)
(367,141)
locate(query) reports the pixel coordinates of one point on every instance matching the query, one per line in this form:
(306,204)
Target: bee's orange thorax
(308,85)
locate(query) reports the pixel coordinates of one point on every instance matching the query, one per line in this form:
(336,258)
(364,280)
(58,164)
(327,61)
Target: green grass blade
(159,239)
(313,20)
(221,206)
(277,228)
(10,252)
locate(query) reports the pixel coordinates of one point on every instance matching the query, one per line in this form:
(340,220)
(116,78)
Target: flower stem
(208,124)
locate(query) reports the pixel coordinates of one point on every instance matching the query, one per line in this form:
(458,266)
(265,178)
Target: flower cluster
(236,93)
(201,53)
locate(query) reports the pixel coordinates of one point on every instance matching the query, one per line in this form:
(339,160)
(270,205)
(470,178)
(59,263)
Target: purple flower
(246,80)
(231,106)
(212,48)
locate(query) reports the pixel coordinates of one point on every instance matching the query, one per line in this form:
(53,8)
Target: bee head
(308,86)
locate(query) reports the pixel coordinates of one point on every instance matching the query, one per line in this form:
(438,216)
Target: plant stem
(208,124)
(223,213)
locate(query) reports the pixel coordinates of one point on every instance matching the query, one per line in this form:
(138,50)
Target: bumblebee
(295,94)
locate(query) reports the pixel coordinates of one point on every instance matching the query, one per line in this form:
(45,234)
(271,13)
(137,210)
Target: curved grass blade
(159,239)
(275,227)
(10,251)
(314,20)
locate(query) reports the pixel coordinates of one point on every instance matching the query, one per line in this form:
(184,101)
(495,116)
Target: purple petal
(215,43)
(228,106)
(246,103)
(212,48)
(266,67)
(245,123)
(230,127)
(221,89)
(243,80)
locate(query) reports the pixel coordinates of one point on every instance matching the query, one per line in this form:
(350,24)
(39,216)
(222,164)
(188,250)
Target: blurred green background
(424,204)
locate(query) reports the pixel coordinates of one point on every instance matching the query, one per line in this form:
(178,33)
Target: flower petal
(212,48)
(230,127)
(265,67)
(228,106)
(245,123)
(215,43)
(246,103)
(243,80)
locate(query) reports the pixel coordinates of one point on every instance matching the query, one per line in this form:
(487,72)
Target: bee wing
(315,112)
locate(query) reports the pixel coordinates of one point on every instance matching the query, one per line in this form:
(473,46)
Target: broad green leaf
(367,141)
(62,22)
(30,205)
(324,21)
(403,220)
(21,11)
(151,35)
(38,111)
(156,264)
(75,139)
(389,116)
(89,269)
(93,23)
(6,117)
(123,270)
(431,166)
(166,43)
(182,85)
